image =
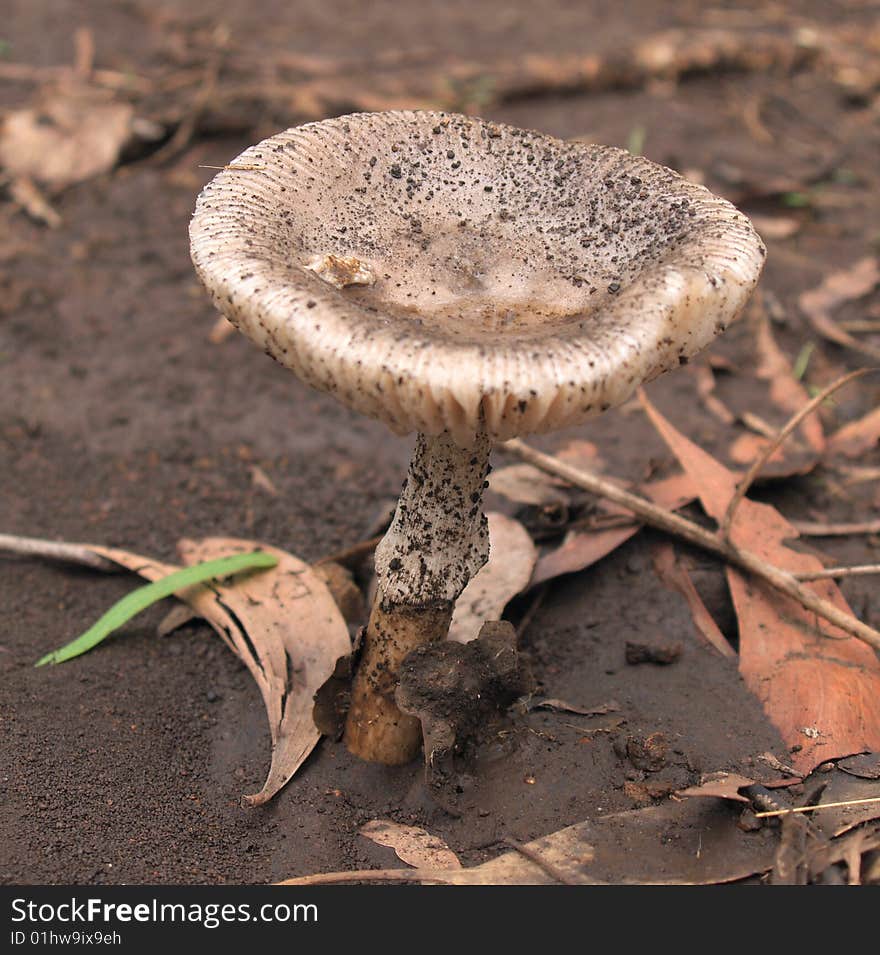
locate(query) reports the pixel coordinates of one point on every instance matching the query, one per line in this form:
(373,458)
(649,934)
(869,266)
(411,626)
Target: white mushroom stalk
(470,282)
(437,541)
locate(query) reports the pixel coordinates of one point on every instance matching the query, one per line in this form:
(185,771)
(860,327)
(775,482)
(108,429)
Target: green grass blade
(138,600)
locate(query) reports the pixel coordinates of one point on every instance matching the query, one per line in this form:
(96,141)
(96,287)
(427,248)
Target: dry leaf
(67,138)
(582,549)
(589,853)
(414,846)
(512,556)
(819,686)
(857,437)
(865,765)
(675,576)
(847,285)
(845,788)
(525,484)
(284,626)
(561,706)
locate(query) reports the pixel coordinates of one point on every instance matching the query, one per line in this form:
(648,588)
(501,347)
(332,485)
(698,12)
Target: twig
(358,875)
(813,529)
(743,487)
(821,805)
(350,553)
(57,550)
(670,523)
(858,570)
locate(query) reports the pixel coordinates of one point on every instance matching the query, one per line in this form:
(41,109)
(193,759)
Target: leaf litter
(819,686)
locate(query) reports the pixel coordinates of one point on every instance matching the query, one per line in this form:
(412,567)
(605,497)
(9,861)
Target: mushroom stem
(437,541)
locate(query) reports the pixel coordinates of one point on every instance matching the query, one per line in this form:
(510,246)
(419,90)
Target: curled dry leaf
(284,626)
(675,576)
(512,556)
(68,137)
(819,686)
(414,846)
(847,285)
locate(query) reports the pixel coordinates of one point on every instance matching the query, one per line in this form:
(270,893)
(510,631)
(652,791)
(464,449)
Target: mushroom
(470,282)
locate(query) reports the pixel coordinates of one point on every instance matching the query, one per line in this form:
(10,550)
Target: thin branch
(361,549)
(671,523)
(80,554)
(358,875)
(858,570)
(821,805)
(757,465)
(813,529)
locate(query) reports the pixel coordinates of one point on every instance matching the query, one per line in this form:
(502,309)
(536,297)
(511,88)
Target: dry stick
(664,520)
(57,550)
(858,570)
(363,875)
(812,529)
(757,465)
(817,807)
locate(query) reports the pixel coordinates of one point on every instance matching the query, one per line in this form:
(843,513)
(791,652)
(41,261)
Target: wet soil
(120,423)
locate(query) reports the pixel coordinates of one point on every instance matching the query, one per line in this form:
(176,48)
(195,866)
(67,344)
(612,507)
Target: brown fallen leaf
(818,686)
(589,853)
(512,556)
(674,575)
(67,137)
(857,437)
(284,626)
(561,706)
(582,549)
(720,785)
(847,285)
(412,844)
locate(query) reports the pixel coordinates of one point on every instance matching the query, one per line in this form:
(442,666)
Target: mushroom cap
(440,272)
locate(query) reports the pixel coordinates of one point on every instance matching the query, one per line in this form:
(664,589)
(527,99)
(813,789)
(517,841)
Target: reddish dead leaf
(786,392)
(786,461)
(847,285)
(412,844)
(857,437)
(512,556)
(582,549)
(284,626)
(819,686)
(676,577)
